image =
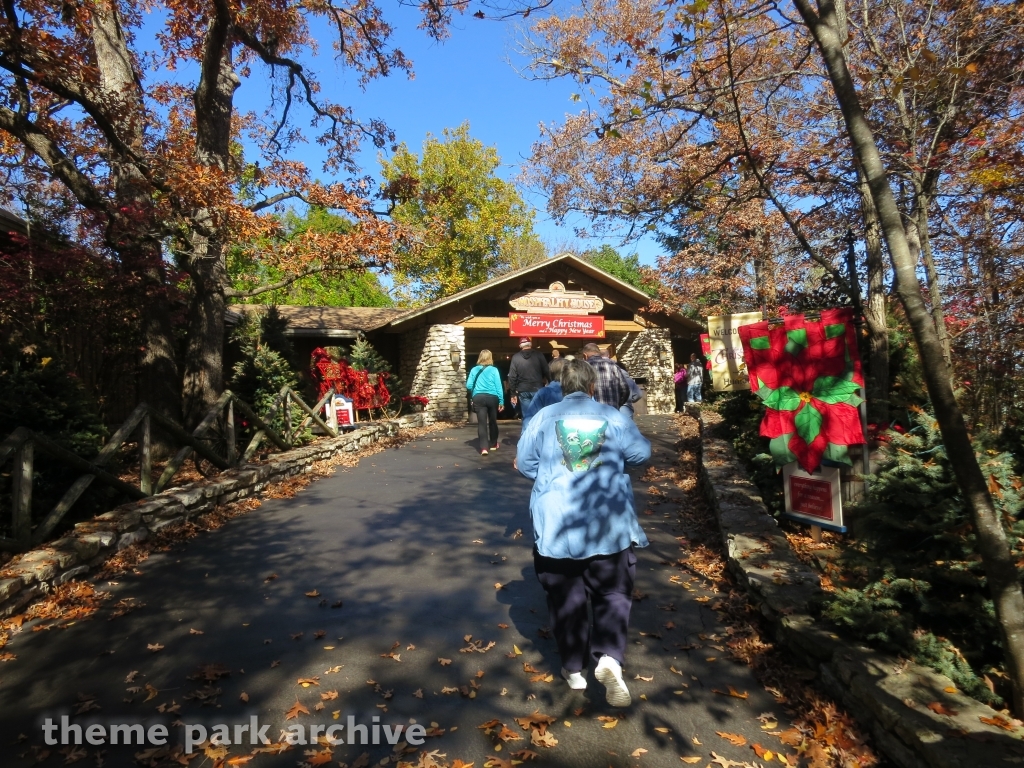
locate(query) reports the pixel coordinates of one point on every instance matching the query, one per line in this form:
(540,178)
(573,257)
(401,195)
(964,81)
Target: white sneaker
(609,673)
(576,680)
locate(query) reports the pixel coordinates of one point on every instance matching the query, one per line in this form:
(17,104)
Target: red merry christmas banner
(555,325)
(808,374)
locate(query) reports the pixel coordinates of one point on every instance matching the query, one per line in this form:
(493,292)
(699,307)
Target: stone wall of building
(426,366)
(648,355)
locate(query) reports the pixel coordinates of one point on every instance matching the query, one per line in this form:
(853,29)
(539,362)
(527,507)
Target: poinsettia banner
(808,374)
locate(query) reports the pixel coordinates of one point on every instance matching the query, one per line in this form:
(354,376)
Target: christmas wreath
(808,374)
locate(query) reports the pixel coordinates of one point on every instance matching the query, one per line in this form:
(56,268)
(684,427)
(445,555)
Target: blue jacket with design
(577,451)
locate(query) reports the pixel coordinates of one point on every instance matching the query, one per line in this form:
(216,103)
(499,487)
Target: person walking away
(679,377)
(527,373)
(694,379)
(585,526)
(549,394)
(614,386)
(484,385)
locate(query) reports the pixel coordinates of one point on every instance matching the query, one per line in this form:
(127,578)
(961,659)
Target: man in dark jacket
(527,373)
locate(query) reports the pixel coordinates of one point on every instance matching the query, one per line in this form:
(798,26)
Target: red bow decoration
(808,374)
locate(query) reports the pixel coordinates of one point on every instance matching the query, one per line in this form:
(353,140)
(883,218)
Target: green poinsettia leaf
(808,423)
(837,453)
(760,342)
(779,448)
(797,341)
(834,389)
(783,399)
(835,330)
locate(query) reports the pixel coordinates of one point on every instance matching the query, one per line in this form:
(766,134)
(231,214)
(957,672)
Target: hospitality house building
(561,303)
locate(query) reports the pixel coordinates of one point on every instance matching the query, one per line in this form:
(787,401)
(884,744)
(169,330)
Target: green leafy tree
(347,288)
(468,224)
(626,268)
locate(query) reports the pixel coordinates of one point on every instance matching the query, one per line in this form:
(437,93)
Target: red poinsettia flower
(809,376)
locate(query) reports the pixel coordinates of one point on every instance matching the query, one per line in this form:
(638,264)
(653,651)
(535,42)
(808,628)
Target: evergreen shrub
(914,581)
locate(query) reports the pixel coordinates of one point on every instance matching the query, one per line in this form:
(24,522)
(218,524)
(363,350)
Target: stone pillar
(642,354)
(426,368)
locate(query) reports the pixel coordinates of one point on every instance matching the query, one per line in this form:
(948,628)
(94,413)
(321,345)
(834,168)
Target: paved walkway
(413,542)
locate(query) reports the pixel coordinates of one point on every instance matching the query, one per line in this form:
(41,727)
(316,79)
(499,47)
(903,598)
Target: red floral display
(808,374)
(340,377)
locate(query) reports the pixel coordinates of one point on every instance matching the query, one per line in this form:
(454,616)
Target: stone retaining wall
(888,696)
(33,574)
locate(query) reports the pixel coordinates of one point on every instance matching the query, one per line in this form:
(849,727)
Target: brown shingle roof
(310,319)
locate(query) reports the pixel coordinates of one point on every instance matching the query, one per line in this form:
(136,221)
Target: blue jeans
(525,398)
(693,393)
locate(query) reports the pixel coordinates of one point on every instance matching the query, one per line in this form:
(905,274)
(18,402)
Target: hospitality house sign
(555,300)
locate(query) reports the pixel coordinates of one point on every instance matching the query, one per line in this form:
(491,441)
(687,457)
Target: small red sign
(811,497)
(556,326)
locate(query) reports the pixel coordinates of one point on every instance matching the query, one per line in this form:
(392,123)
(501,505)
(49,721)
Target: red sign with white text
(811,497)
(555,326)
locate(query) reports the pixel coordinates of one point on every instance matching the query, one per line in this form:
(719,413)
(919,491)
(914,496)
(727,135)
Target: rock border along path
(31,575)
(889,695)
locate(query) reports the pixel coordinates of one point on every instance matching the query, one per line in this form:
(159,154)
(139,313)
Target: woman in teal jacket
(484,384)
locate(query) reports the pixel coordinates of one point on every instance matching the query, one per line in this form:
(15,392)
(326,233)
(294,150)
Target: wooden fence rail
(214,442)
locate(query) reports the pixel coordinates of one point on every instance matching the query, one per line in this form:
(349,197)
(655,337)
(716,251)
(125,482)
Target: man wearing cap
(527,373)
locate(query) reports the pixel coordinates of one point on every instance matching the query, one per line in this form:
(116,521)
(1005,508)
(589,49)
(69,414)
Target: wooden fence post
(145,457)
(288,418)
(231,451)
(22,493)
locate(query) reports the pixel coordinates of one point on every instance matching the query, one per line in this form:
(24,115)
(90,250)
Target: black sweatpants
(607,581)
(486,407)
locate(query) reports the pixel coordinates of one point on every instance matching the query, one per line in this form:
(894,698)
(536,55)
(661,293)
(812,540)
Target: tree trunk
(875,312)
(213,99)
(131,232)
(1000,570)
(204,351)
(920,217)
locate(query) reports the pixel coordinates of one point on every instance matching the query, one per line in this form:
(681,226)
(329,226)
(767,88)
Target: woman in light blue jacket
(484,384)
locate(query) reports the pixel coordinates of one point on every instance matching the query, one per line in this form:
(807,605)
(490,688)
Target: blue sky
(470,77)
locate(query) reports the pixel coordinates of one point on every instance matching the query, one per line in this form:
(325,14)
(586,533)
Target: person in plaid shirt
(613,384)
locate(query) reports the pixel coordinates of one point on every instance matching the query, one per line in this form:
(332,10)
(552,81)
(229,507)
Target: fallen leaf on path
(305,682)
(270,578)
(611,723)
(645,679)
(725,762)
(333,670)
(542,678)
(244,697)
(195,632)
(314,593)
(296,710)
(507,734)
(449,689)
(505,626)
(762,752)
(315,758)
(662,729)
(731,692)
(493,761)
(444,662)
(418,693)
(154,647)
(691,760)
(328,695)
(950,689)
(733,738)
(337,604)
(941,709)
(153,693)
(998,722)
(675,671)
(131,676)
(319,633)
(639,751)
(498,585)
(546,739)
(523,754)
